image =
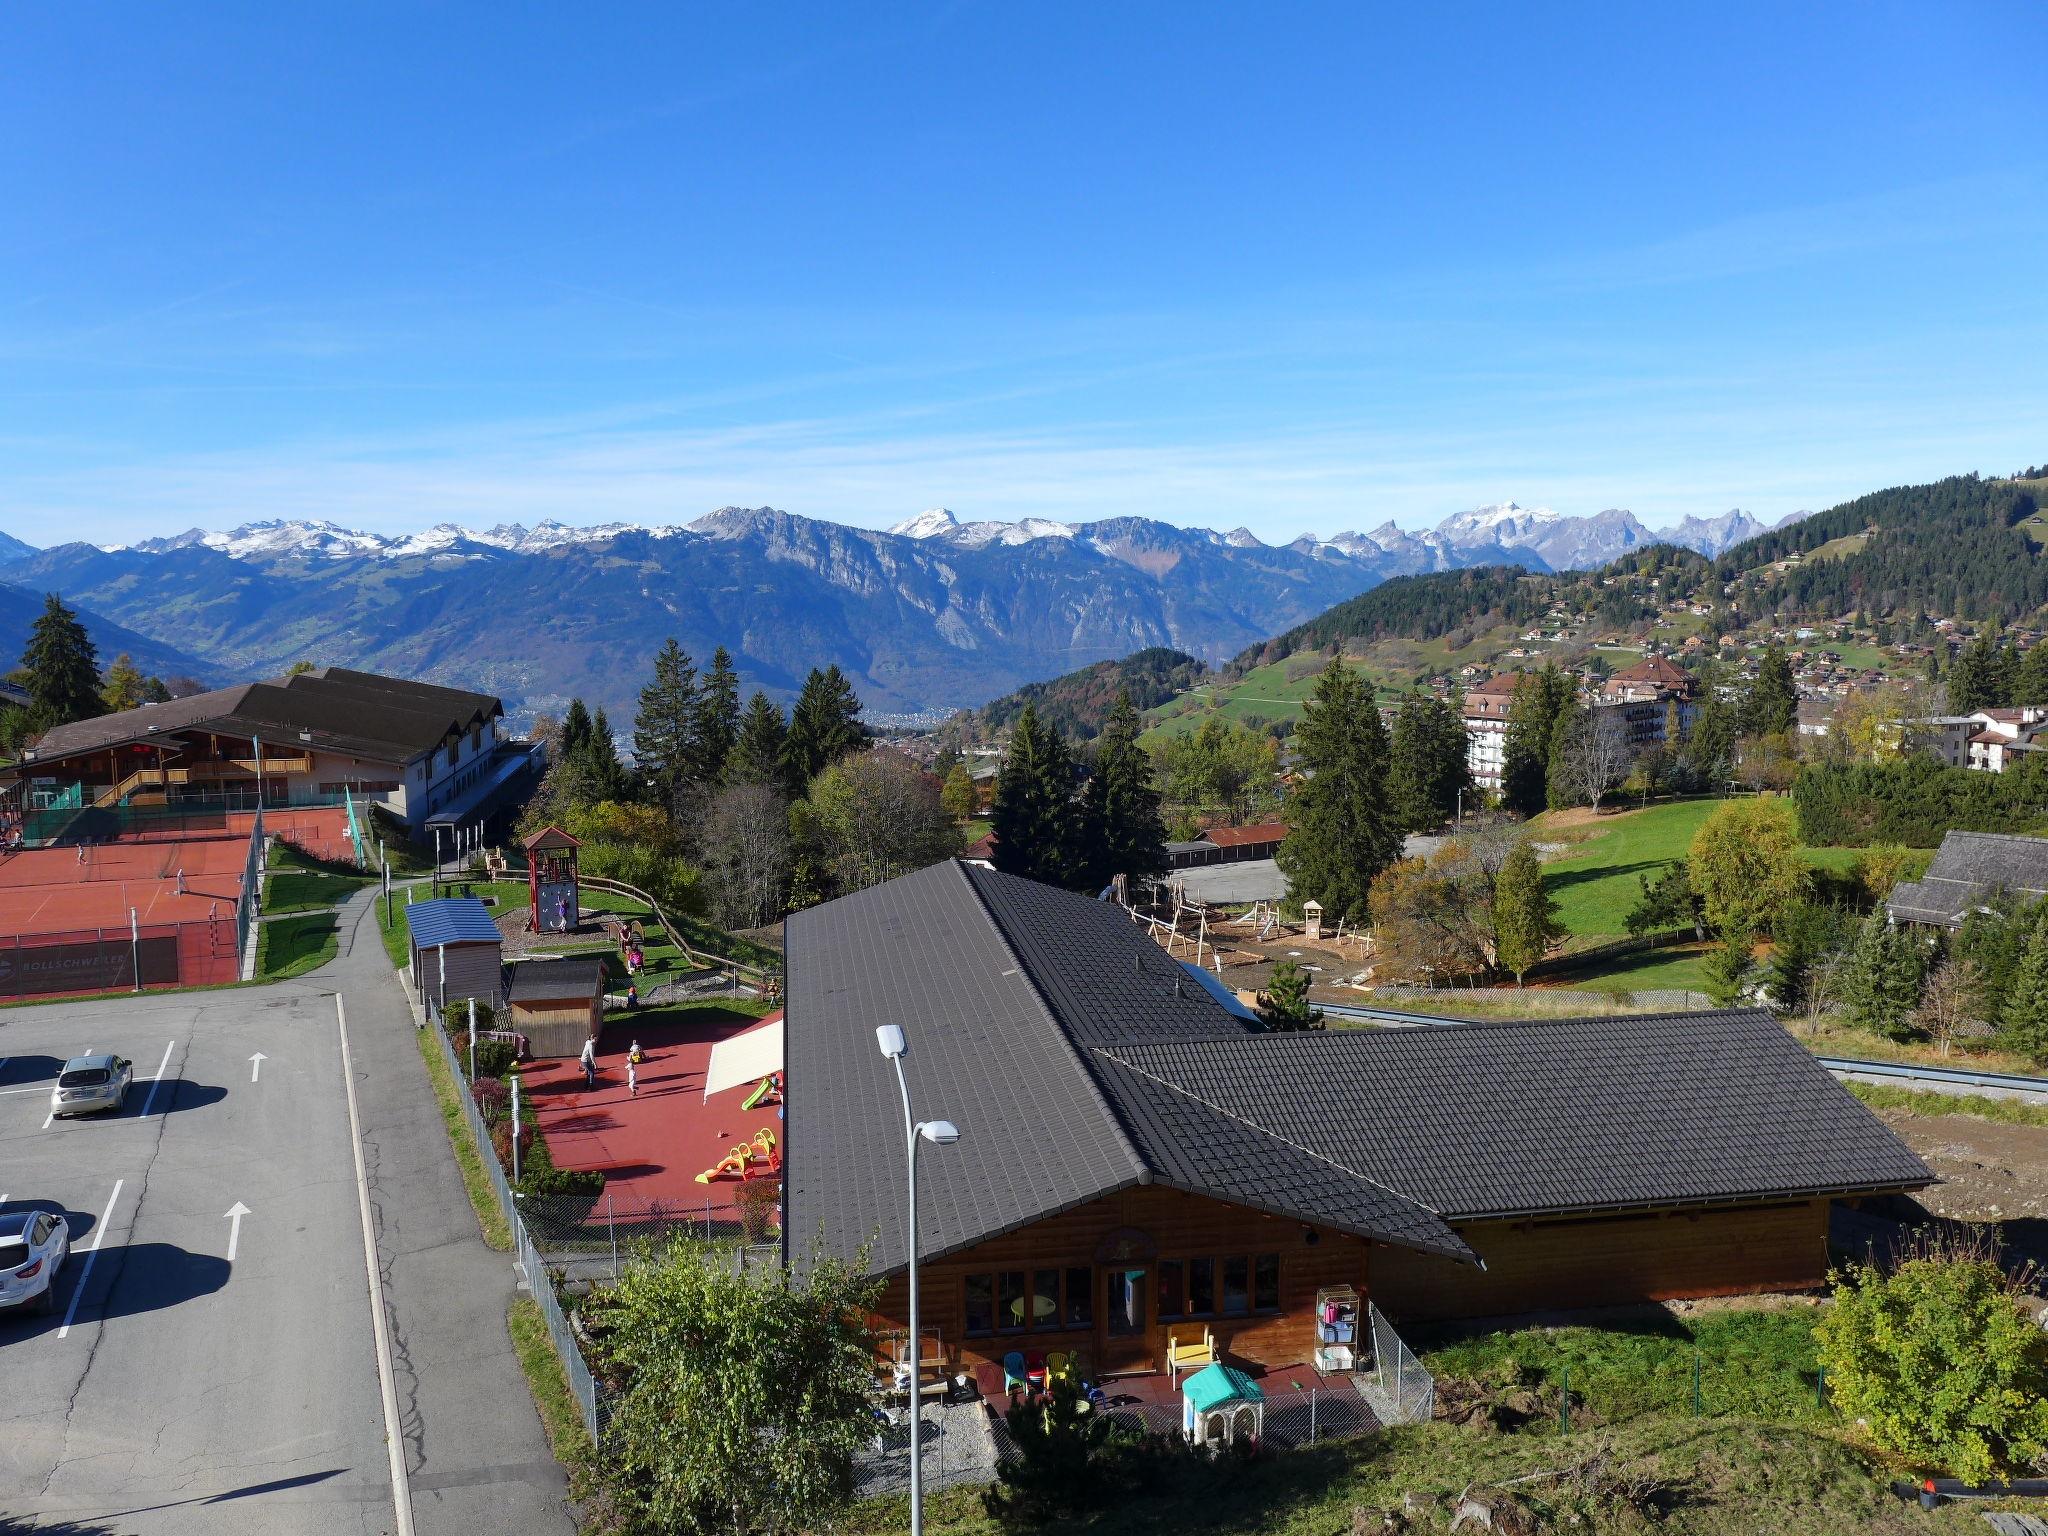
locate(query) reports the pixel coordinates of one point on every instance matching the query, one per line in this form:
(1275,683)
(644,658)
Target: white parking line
(92,1253)
(31,1088)
(401,1490)
(162,1067)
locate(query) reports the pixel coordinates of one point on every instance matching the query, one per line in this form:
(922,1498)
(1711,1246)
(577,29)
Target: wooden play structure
(557,901)
(1216,938)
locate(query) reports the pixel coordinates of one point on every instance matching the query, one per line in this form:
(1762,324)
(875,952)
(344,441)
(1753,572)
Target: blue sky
(1294,267)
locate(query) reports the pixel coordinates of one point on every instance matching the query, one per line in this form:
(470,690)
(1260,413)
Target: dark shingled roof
(1078,1059)
(388,719)
(1968,868)
(571,977)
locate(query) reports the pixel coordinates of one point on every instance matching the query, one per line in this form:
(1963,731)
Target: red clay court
(650,1148)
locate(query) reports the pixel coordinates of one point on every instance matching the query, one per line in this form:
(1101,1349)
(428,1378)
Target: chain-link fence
(1403,1391)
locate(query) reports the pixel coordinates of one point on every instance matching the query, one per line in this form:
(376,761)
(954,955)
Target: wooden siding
(1178,1226)
(1610,1261)
(557,1028)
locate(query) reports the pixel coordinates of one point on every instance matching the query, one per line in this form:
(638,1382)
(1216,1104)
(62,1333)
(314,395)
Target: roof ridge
(1137,1160)
(1268,1132)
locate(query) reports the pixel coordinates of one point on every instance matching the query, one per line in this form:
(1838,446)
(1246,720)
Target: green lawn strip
(1921,1101)
(468,1157)
(1835,1038)
(292,946)
(296,890)
(1762,1479)
(549,1384)
(1645,970)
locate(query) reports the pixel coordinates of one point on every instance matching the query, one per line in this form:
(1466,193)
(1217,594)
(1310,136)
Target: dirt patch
(1990,1171)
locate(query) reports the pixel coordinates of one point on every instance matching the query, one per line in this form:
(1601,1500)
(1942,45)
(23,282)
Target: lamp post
(942,1133)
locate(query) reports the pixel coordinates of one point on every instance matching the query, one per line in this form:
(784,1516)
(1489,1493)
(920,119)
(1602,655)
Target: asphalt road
(179,1389)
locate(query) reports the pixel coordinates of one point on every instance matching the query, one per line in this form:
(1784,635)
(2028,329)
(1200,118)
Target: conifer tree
(609,779)
(1982,676)
(62,667)
(125,687)
(1033,816)
(1710,749)
(1120,808)
(665,728)
(824,726)
(1881,981)
(1771,707)
(2023,1025)
(2030,676)
(1343,832)
(1560,780)
(718,716)
(1427,764)
(1525,922)
(575,732)
(1532,721)
(1726,966)
(1284,1004)
(758,753)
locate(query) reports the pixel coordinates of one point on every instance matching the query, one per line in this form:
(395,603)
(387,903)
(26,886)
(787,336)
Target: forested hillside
(1079,702)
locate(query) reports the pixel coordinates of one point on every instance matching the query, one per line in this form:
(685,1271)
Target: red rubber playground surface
(650,1148)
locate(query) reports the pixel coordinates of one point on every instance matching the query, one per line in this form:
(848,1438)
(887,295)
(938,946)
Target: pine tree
(1532,721)
(1033,815)
(575,732)
(718,716)
(1427,766)
(62,667)
(1560,781)
(1771,707)
(1284,1005)
(759,750)
(1120,808)
(2023,1025)
(1727,964)
(1525,922)
(1983,676)
(1343,832)
(1710,750)
(665,728)
(609,779)
(2030,676)
(1881,981)
(125,687)
(823,727)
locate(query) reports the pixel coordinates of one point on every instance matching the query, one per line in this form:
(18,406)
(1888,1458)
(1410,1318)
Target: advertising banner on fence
(95,965)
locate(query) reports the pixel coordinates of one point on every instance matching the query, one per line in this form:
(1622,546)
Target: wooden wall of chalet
(556,1028)
(1611,1261)
(1178,1226)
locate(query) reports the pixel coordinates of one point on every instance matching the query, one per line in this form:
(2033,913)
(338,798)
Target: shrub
(755,1201)
(1940,1360)
(1063,1462)
(501,1143)
(542,1178)
(493,1099)
(494,1058)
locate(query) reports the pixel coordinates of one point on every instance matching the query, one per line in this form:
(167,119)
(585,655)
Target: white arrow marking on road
(256,1065)
(234,1213)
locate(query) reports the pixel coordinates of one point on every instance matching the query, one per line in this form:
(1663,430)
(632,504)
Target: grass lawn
(1659,969)
(291,946)
(305,890)
(1598,883)
(1919,1101)
(468,1157)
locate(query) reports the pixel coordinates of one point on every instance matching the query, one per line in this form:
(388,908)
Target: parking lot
(208,1363)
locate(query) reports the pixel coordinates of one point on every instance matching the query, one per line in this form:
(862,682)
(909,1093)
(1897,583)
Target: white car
(89,1084)
(33,1247)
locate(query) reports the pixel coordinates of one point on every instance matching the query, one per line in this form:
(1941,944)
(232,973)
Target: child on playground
(589,1061)
(633,1070)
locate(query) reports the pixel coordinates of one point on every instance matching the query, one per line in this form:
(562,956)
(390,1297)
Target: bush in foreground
(1938,1357)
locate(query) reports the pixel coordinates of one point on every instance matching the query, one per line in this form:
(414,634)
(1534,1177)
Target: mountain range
(931,614)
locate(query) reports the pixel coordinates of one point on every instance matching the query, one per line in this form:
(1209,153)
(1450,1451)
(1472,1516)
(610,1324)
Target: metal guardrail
(1391,1016)
(1937,1077)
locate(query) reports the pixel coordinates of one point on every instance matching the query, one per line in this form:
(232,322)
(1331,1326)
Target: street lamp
(941,1133)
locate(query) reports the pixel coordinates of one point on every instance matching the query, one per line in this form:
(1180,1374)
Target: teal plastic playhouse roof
(1214,1385)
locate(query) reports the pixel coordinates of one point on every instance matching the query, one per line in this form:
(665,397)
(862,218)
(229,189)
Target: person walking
(589,1060)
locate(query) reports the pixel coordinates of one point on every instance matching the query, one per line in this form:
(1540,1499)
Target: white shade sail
(746,1058)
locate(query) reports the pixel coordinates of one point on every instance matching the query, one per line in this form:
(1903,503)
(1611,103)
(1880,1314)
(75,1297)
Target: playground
(651,1146)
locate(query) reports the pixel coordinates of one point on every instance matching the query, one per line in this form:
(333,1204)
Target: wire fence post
(1695,1381)
(612,1228)
(1820,1387)
(1311,1415)
(1564,1404)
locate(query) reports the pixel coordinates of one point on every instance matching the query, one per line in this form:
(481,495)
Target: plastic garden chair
(1188,1351)
(1059,1366)
(1013,1371)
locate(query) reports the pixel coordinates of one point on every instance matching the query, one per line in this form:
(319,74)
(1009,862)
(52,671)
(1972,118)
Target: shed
(456,952)
(557,1003)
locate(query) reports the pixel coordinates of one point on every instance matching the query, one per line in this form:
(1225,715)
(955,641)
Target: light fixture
(940,1133)
(890,1038)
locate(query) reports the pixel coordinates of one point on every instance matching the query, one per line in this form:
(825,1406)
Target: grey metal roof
(1968,868)
(1079,1059)
(450,920)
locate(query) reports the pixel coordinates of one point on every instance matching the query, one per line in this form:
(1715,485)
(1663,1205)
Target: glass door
(1127,1334)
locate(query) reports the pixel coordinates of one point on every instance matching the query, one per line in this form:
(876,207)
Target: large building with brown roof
(1486,729)
(424,752)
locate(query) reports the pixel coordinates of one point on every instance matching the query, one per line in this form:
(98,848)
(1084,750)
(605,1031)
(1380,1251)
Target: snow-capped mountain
(1711,535)
(941,525)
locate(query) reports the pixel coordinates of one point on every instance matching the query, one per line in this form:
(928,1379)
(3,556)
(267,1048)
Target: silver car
(33,1247)
(89,1084)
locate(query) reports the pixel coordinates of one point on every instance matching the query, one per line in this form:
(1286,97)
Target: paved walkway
(476,1454)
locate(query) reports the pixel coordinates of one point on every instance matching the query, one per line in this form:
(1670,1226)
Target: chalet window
(981,1304)
(1045,1298)
(1010,1299)
(1266,1283)
(1080,1298)
(1237,1297)
(1201,1287)
(1172,1299)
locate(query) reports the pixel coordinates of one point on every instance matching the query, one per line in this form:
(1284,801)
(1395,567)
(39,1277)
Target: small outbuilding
(557,1003)
(1221,1404)
(456,951)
